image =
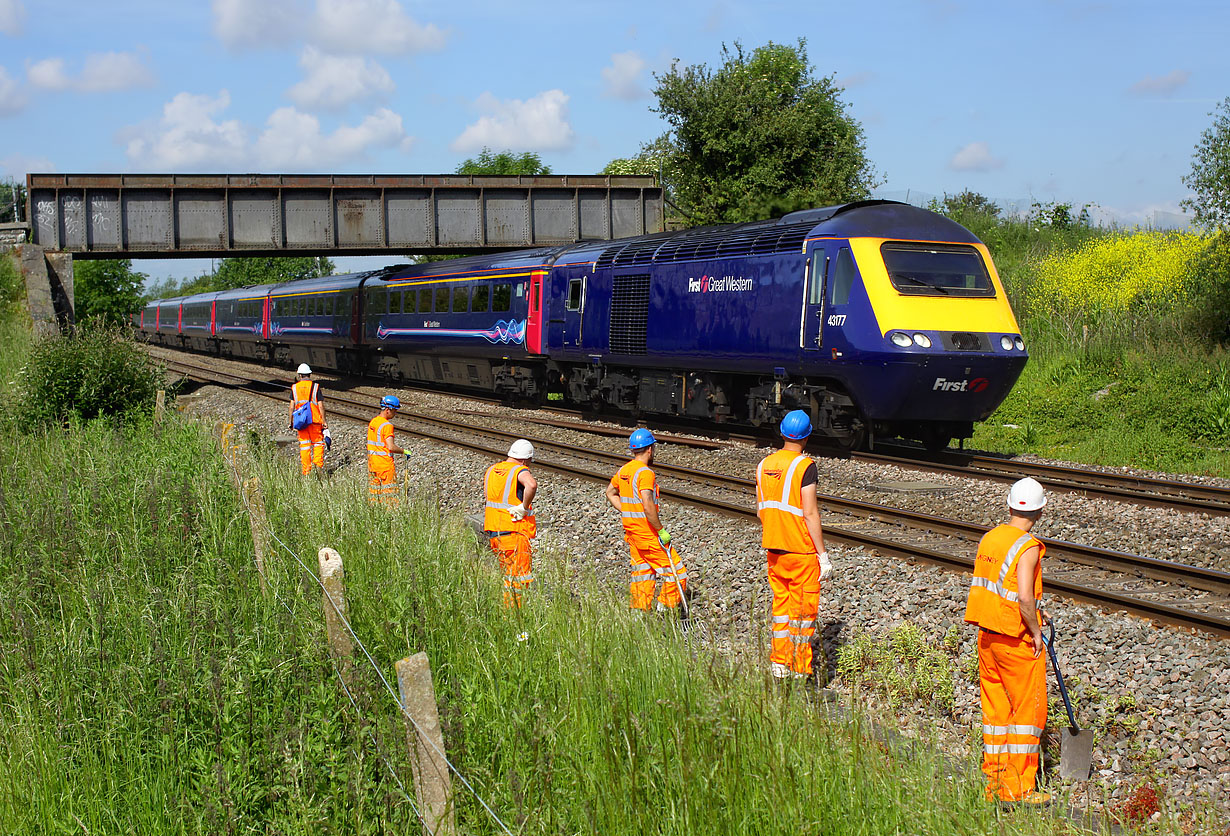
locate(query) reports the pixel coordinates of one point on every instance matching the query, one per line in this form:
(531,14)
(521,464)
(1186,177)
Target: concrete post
(333,577)
(258,520)
(432,783)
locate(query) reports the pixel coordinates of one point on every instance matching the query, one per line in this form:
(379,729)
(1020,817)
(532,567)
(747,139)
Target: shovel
(1076,746)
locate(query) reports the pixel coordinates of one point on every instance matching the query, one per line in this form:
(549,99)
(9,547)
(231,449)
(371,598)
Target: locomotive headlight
(1019,343)
(900,340)
(922,340)
(1005,342)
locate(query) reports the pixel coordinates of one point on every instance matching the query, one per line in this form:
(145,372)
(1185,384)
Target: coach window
(842,279)
(482,296)
(574,295)
(424,300)
(461,299)
(330,304)
(441,299)
(502,298)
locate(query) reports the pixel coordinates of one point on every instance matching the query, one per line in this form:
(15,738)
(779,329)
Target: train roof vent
(710,243)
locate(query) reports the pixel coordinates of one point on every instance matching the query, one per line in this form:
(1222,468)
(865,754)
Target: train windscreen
(936,270)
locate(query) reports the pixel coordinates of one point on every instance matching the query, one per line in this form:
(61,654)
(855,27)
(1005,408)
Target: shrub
(1119,282)
(89,371)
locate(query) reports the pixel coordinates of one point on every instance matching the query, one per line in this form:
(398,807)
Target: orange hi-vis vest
(779,499)
(305,391)
(378,431)
(631,510)
(501,489)
(993,602)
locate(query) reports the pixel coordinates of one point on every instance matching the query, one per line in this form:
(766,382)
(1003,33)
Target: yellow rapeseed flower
(1119,271)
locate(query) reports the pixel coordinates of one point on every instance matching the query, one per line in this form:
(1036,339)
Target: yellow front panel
(907,312)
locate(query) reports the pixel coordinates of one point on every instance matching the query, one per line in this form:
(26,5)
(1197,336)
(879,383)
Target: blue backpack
(301,418)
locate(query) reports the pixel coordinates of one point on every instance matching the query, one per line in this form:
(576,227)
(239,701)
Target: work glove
(517,512)
(826,567)
(664,537)
(328,439)
(407,452)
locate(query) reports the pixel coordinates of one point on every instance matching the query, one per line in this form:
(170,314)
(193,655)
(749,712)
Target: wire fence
(232,453)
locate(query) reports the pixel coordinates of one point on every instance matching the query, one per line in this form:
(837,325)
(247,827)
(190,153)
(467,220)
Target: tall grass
(151,688)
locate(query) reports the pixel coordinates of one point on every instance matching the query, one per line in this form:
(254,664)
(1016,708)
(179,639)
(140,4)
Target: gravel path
(1158,698)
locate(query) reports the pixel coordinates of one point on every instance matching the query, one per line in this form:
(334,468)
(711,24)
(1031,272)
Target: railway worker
(305,393)
(380,451)
(633,491)
(1004,601)
(789,513)
(511,525)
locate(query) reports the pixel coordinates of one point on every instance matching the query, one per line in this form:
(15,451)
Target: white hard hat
(521,449)
(1026,495)
(304,368)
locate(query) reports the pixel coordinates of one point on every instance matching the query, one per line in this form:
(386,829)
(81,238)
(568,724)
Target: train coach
(879,318)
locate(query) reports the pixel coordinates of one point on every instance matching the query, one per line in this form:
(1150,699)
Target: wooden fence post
(160,406)
(432,784)
(258,520)
(333,577)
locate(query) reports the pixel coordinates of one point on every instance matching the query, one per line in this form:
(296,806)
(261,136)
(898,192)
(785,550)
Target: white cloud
(187,137)
(975,157)
(11,98)
(622,78)
(1164,85)
(538,124)
(257,23)
(855,79)
(102,72)
(12,17)
(332,82)
(19,165)
(371,26)
(294,140)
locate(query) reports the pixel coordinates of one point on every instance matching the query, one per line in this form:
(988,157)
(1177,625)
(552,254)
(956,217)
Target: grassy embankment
(1126,335)
(150,688)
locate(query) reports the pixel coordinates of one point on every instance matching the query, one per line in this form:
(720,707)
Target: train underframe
(704,397)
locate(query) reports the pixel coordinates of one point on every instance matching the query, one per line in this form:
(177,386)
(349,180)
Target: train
(879,318)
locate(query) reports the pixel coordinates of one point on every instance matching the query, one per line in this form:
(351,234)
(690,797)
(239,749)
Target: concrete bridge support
(48,279)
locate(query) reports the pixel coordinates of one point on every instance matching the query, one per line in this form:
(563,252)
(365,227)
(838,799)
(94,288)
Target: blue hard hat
(390,402)
(796,425)
(640,439)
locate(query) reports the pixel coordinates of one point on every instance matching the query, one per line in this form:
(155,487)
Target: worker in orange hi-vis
(508,518)
(1005,602)
(789,513)
(307,416)
(633,491)
(380,451)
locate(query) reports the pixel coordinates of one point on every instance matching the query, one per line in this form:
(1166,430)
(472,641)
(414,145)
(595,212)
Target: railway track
(1175,593)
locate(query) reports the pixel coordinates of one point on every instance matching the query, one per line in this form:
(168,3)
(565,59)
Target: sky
(1082,102)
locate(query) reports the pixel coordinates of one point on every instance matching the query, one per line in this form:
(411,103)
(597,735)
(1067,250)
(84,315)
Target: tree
(12,200)
(969,203)
(759,136)
(1210,174)
(108,289)
(505,162)
(240,272)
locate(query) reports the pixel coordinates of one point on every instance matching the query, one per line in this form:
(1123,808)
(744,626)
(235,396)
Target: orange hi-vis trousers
(513,552)
(311,448)
(1013,684)
(649,564)
(795,580)
(383,485)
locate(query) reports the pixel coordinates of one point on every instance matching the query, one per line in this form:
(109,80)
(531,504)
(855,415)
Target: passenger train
(879,318)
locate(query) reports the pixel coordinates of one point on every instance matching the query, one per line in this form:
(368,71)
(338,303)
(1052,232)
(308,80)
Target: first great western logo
(720,284)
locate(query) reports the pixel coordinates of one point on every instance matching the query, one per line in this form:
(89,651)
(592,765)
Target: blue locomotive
(879,318)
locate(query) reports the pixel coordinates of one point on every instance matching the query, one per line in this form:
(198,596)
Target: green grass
(150,688)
